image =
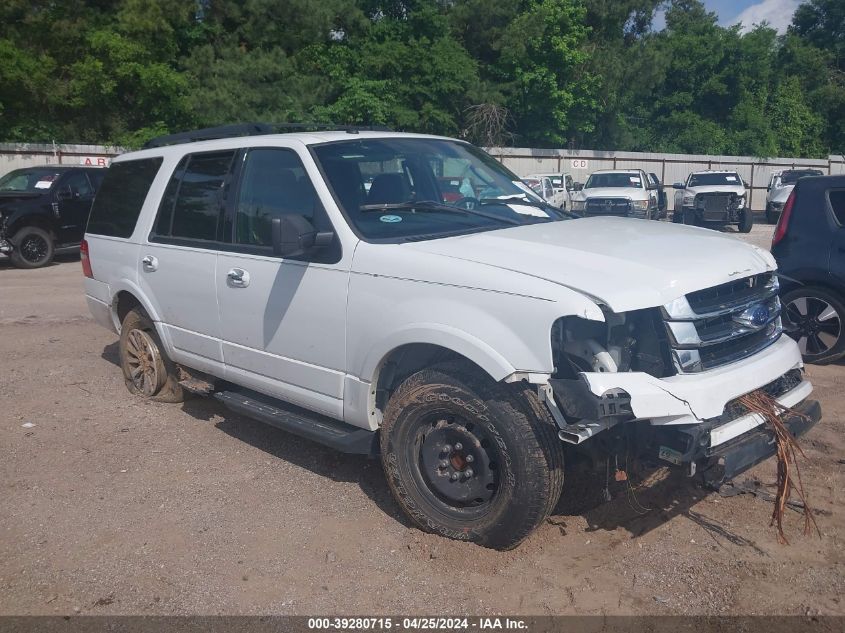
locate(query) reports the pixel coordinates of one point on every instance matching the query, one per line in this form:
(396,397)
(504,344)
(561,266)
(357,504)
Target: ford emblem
(754,317)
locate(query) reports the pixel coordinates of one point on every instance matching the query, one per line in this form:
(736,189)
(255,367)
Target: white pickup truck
(710,198)
(780,186)
(469,343)
(617,192)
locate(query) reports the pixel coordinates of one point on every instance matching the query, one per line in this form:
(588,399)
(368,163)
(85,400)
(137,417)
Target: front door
(283,320)
(72,200)
(177,266)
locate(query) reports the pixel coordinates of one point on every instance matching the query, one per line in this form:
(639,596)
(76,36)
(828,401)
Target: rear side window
(194,201)
(121,196)
(837,204)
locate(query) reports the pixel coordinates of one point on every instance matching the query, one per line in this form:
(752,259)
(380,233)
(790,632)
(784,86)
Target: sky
(778,13)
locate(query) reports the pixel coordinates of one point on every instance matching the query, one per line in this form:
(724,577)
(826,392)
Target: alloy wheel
(814,324)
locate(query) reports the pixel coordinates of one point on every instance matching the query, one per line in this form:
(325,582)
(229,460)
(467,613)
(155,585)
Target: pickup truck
(617,192)
(710,198)
(470,344)
(780,186)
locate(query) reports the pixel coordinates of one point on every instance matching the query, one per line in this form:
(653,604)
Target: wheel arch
(126,296)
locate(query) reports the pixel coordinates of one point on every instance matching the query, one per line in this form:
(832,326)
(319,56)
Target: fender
(125,285)
(459,341)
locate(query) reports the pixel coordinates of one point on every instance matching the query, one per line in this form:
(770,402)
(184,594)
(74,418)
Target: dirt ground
(111,505)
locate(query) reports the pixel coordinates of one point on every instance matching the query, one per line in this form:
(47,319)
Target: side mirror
(679,185)
(577,186)
(294,236)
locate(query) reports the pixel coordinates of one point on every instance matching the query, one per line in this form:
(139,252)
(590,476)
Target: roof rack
(252,129)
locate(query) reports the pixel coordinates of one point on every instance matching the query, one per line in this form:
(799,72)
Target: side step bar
(313,426)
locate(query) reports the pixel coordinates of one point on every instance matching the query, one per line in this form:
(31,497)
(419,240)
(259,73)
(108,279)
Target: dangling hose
(787,450)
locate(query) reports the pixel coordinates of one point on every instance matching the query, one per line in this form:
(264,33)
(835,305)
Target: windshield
(614,180)
(422,188)
(792,176)
(28,180)
(704,180)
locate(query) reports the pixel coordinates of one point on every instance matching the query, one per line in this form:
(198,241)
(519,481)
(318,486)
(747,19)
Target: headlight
(741,203)
(578,205)
(639,205)
(688,200)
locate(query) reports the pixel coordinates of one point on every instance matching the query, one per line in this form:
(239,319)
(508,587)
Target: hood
(634,193)
(8,197)
(625,264)
(780,194)
(737,189)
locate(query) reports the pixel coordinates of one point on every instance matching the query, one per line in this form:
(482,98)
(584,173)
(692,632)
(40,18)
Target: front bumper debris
(728,460)
(5,247)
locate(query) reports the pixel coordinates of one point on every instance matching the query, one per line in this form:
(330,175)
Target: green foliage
(547,73)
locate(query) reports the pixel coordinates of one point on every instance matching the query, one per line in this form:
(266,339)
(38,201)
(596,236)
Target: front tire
(33,248)
(471,459)
(147,370)
(746,220)
(814,317)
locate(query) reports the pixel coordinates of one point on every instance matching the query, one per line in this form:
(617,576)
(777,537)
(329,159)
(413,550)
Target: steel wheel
(456,461)
(142,357)
(814,324)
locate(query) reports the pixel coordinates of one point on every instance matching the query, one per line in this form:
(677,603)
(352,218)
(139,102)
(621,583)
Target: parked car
(662,202)
(562,185)
(713,197)
(808,244)
(622,192)
(44,209)
(779,188)
(542,186)
(466,343)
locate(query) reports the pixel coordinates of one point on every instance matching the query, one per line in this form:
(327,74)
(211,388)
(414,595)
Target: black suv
(809,246)
(43,209)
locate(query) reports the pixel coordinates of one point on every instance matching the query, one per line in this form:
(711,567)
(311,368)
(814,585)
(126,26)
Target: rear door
(72,200)
(177,266)
(836,198)
(283,320)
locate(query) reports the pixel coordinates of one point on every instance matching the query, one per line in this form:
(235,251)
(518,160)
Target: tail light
(783,220)
(86,262)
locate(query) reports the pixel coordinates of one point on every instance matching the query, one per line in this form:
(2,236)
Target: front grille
(715,206)
(608,206)
(720,325)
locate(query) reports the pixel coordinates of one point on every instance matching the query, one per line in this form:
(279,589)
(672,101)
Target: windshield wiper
(431,205)
(539,204)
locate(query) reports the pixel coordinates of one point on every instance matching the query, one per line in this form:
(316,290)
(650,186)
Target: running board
(313,426)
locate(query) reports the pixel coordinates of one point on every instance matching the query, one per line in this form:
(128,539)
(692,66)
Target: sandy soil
(112,505)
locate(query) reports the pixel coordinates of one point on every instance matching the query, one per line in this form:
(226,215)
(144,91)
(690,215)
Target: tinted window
(77,184)
(192,205)
(121,196)
(837,203)
(614,179)
(274,183)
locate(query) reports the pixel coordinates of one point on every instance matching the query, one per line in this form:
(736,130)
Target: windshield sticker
(524,209)
(391,219)
(43,184)
(635,180)
(730,178)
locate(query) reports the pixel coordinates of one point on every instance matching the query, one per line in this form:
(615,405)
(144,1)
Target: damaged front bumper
(690,419)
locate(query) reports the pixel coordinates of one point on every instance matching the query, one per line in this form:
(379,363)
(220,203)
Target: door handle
(238,277)
(150,263)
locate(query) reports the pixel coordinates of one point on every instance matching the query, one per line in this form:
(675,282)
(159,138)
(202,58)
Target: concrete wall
(17,155)
(669,168)
(523,161)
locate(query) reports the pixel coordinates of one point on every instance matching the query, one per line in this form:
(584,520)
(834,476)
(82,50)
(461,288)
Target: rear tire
(815,318)
(746,220)
(147,370)
(33,248)
(471,459)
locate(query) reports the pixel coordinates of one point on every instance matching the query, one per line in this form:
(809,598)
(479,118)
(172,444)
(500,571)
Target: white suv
(466,342)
